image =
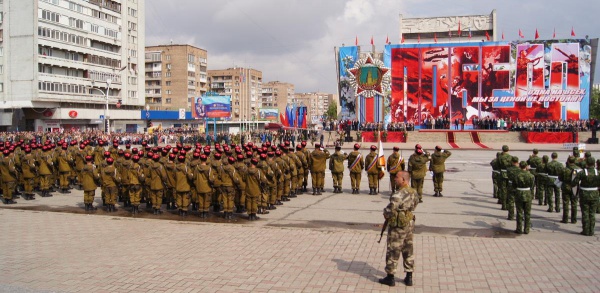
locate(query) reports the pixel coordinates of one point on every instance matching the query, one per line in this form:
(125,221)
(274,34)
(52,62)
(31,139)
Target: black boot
(285,198)
(271,207)
(314,191)
(87,207)
(440,194)
(408,279)
(292,194)
(388,280)
(91,207)
(114,209)
(370,191)
(319,191)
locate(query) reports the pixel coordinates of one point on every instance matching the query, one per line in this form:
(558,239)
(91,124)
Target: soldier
(542,180)
(110,181)
(534,162)
(8,174)
(569,197)
(302,167)
(183,176)
(255,180)
(417,169)
(157,186)
(79,158)
(171,181)
(136,176)
(316,162)
(295,165)
(523,181)
(285,168)
(45,163)
(588,181)
(28,170)
(401,225)
(372,167)
(271,177)
(395,164)
(240,196)
(194,162)
(216,164)
(125,166)
(278,180)
(229,178)
(307,168)
(89,176)
(356,163)
(505,161)
(204,176)
(438,166)
(554,168)
(495,163)
(336,165)
(512,171)
(63,161)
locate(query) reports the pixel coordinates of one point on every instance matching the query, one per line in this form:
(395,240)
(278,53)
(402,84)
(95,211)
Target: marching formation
(518,183)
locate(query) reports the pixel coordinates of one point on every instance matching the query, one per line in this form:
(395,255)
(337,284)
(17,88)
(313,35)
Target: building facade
(63,61)
(174,75)
(446,29)
(244,85)
(276,95)
(316,103)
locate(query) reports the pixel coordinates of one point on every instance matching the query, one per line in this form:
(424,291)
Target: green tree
(332,112)
(595,104)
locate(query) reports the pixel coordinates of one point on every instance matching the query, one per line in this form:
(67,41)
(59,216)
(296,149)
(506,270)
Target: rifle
(385,224)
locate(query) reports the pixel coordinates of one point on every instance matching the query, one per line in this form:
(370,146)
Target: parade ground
(326,243)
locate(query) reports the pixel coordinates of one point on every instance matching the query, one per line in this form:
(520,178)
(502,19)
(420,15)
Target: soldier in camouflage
(495,163)
(505,162)
(588,181)
(554,168)
(512,172)
(534,162)
(438,166)
(401,225)
(524,181)
(568,196)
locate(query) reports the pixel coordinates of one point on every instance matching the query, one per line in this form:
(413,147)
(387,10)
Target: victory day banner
(525,80)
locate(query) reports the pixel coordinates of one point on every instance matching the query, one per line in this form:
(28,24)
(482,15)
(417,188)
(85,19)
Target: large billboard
(524,80)
(211,107)
(268,114)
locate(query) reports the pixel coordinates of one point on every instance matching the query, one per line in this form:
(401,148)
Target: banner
(268,114)
(347,57)
(212,107)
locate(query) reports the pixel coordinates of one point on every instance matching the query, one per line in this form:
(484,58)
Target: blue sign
(101,116)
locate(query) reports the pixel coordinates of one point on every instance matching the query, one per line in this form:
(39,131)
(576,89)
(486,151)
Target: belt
(510,181)
(503,170)
(552,176)
(524,188)
(543,174)
(494,171)
(531,168)
(589,188)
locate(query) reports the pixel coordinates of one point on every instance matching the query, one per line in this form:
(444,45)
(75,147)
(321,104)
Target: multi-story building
(276,95)
(316,104)
(244,85)
(63,61)
(174,75)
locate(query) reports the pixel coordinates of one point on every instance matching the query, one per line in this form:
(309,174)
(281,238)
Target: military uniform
(316,162)
(417,167)
(156,189)
(395,164)
(28,171)
(8,174)
(336,166)
(554,168)
(183,176)
(356,163)
(372,167)
(541,180)
(240,196)
(135,176)
(495,163)
(89,175)
(524,181)
(534,162)
(505,161)
(204,176)
(511,188)
(63,161)
(255,180)
(45,163)
(302,168)
(229,177)
(110,181)
(588,181)
(569,198)
(438,166)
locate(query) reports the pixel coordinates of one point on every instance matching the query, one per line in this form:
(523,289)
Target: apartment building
(316,103)
(276,95)
(244,85)
(174,75)
(63,61)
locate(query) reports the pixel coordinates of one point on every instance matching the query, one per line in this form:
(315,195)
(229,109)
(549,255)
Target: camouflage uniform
(588,181)
(568,197)
(524,181)
(534,162)
(554,169)
(541,180)
(438,166)
(511,191)
(495,163)
(401,226)
(504,159)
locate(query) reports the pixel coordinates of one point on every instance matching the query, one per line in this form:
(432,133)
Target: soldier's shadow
(360,268)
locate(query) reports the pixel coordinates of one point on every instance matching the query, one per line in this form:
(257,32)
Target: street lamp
(107,125)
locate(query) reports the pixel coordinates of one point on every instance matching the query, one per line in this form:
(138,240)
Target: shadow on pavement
(360,268)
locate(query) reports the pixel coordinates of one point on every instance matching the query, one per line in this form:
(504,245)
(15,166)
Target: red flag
(402,40)
(372,43)
(537,35)
(521,34)
(387,40)
(554,34)
(459,27)
(434,38)
(572,32)
(356,41)
(487,36)
(503,36)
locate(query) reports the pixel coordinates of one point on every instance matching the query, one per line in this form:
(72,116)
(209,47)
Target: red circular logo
(48,113)
(73,114)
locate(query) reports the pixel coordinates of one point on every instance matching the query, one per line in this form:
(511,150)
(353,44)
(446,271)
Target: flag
(537,35)
(459,28)
(356,41)
(572,32)
(554,34)
(372,43)
(387,40)
(419,38)
(434,37)
(470,33)
(503,36)
(521,34)
(380,154)
(487,36)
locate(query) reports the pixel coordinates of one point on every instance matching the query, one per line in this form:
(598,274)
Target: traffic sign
(101,117)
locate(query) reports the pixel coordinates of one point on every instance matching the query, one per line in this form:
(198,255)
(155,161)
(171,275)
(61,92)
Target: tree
(595,103)
(332,112)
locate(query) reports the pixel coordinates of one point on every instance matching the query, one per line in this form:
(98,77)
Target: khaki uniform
(45,163)
(372,167)
(284,169)
(64,161)
(356,164)
(255,180)
(8,173)
(240,196)
(171,182)
(336,166)
(89,175)
(29,170)
(417,168)
(204,176)
(438,166)
(316,162)
(229,178)
(271,177)
(395,164)
(135,176)
(110,181)
(183,176)
(157,178)
(301,168)
(278,181)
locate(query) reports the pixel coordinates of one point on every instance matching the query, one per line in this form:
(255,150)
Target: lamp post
(106,120)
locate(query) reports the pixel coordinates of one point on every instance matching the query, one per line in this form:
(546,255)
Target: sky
(293,40)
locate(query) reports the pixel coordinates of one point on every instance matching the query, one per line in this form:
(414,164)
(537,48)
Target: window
(74,22)
(132,11)
(133,53)
(168,74)
(168,92)
(132,80)
(190,58)
(55,2)
(132,94)
(94,28)
(168,83)
(168,57)
(51,16)
(168,100)
(169,66)
(132,26)
(1,69)
(75,7)
(111,33)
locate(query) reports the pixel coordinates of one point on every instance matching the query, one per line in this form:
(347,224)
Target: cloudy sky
(293,40)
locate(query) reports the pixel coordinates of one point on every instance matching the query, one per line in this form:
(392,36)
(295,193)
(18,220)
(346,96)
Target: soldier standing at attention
(356,164)
(89,176)
(372,167)
(417,169)
(183,175)
(8,174)
(495,163)
(401,225)
(28,170)
(110,181)
(301,169)
(203,178)
(307,168)
(395,164)
(505,161)
(64,161)
(157,186)
(316,161)
(534,162)
(512,171)
(136,177)
(554,168)
(240,196)
(523,181)
(542,178)
(588,181)
(255,179)
(438,166)
(229,178)
(336,165)
(569,197)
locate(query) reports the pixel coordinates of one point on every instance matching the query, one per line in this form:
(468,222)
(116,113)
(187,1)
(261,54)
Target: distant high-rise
(244,85)
(60,58)
(276,95)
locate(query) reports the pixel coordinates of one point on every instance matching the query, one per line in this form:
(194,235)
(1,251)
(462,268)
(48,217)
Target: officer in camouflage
(438,166)
(524,181)
(534,162)
(495,163)
(554,168)
(505,161)
(588,181)
(569,197)
(511,188)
